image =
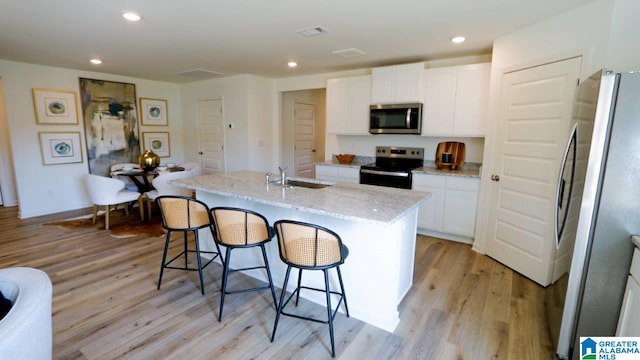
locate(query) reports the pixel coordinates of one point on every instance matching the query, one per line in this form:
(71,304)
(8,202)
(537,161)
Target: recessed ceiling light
(458,39)
(292,64)
(96,61)
(131,15)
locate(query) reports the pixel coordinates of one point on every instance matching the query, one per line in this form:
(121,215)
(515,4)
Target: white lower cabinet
(327,173)
(628,323)
(430,213)
(451,209)
(333,173)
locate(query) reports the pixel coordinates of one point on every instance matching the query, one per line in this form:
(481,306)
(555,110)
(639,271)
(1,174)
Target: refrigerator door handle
(559,224)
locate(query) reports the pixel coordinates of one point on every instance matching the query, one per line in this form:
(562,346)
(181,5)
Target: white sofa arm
(26,331)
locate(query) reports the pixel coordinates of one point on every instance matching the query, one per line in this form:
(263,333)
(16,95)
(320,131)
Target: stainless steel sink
(308,184)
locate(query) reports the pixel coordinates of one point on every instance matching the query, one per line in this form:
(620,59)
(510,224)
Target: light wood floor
(105,305)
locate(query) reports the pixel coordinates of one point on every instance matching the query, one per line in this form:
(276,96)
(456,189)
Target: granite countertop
(466,171)
(355,202)
(356,163)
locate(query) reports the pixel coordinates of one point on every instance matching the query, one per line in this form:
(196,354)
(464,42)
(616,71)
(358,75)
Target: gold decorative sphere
(149,160)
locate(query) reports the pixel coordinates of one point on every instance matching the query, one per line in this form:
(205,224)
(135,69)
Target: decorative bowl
(345,158)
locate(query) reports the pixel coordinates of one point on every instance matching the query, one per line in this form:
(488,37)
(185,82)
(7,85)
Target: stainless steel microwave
(395,119)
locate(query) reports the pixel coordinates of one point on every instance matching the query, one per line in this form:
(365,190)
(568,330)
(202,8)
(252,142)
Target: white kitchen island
(378,225)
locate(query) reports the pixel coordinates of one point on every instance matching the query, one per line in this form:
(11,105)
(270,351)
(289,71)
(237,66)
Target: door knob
(495,177)
(199,152)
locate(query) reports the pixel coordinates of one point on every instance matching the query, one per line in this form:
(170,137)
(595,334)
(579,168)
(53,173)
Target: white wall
(624,52)
(7,181)
(261,136)
(584,31)
(54,188)
(247,105)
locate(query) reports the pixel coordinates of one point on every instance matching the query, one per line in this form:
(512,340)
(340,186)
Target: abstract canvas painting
(110,124)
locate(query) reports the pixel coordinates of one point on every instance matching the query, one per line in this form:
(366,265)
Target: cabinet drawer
(349,175)
(329,173)
(461,183)
(635,265)
(428,180)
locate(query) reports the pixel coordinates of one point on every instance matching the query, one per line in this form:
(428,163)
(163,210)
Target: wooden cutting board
(457,151)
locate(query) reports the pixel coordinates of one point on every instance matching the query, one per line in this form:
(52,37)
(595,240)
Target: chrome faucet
(283,175)
(267,177)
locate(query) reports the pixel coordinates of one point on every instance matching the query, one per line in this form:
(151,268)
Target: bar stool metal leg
(281,306)
(225,276)
(195,235)
(164,257)
(344,295)
(329,311)
(299,282)
(266,263)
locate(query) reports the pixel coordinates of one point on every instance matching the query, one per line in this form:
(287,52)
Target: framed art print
(55,106)
(158,142)
(111,125)
(60,147)
(153,112)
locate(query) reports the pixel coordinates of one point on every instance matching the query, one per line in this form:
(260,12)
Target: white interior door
(532,129)
(304,120)
(211,130)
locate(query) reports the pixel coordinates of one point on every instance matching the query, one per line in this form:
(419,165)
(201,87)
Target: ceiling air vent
(200,74)
(313,31)
(348,53)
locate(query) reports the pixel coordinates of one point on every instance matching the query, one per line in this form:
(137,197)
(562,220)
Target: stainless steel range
(393,167)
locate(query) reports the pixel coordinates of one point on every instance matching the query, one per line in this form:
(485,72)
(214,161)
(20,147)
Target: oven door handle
(386,173)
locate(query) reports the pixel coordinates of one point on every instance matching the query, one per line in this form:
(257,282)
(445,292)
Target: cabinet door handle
(495,177)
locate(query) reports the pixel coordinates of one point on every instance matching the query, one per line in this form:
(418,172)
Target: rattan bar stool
(239,228)
(310,247)
(185,214)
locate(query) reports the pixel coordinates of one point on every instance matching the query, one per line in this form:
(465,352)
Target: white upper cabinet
(348,101)
(456,100)
(397,84)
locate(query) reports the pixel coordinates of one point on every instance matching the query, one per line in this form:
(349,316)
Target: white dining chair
(105,191)
(162,187)
(193,167)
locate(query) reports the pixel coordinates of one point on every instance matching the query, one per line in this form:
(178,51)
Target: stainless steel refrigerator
(598,209)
